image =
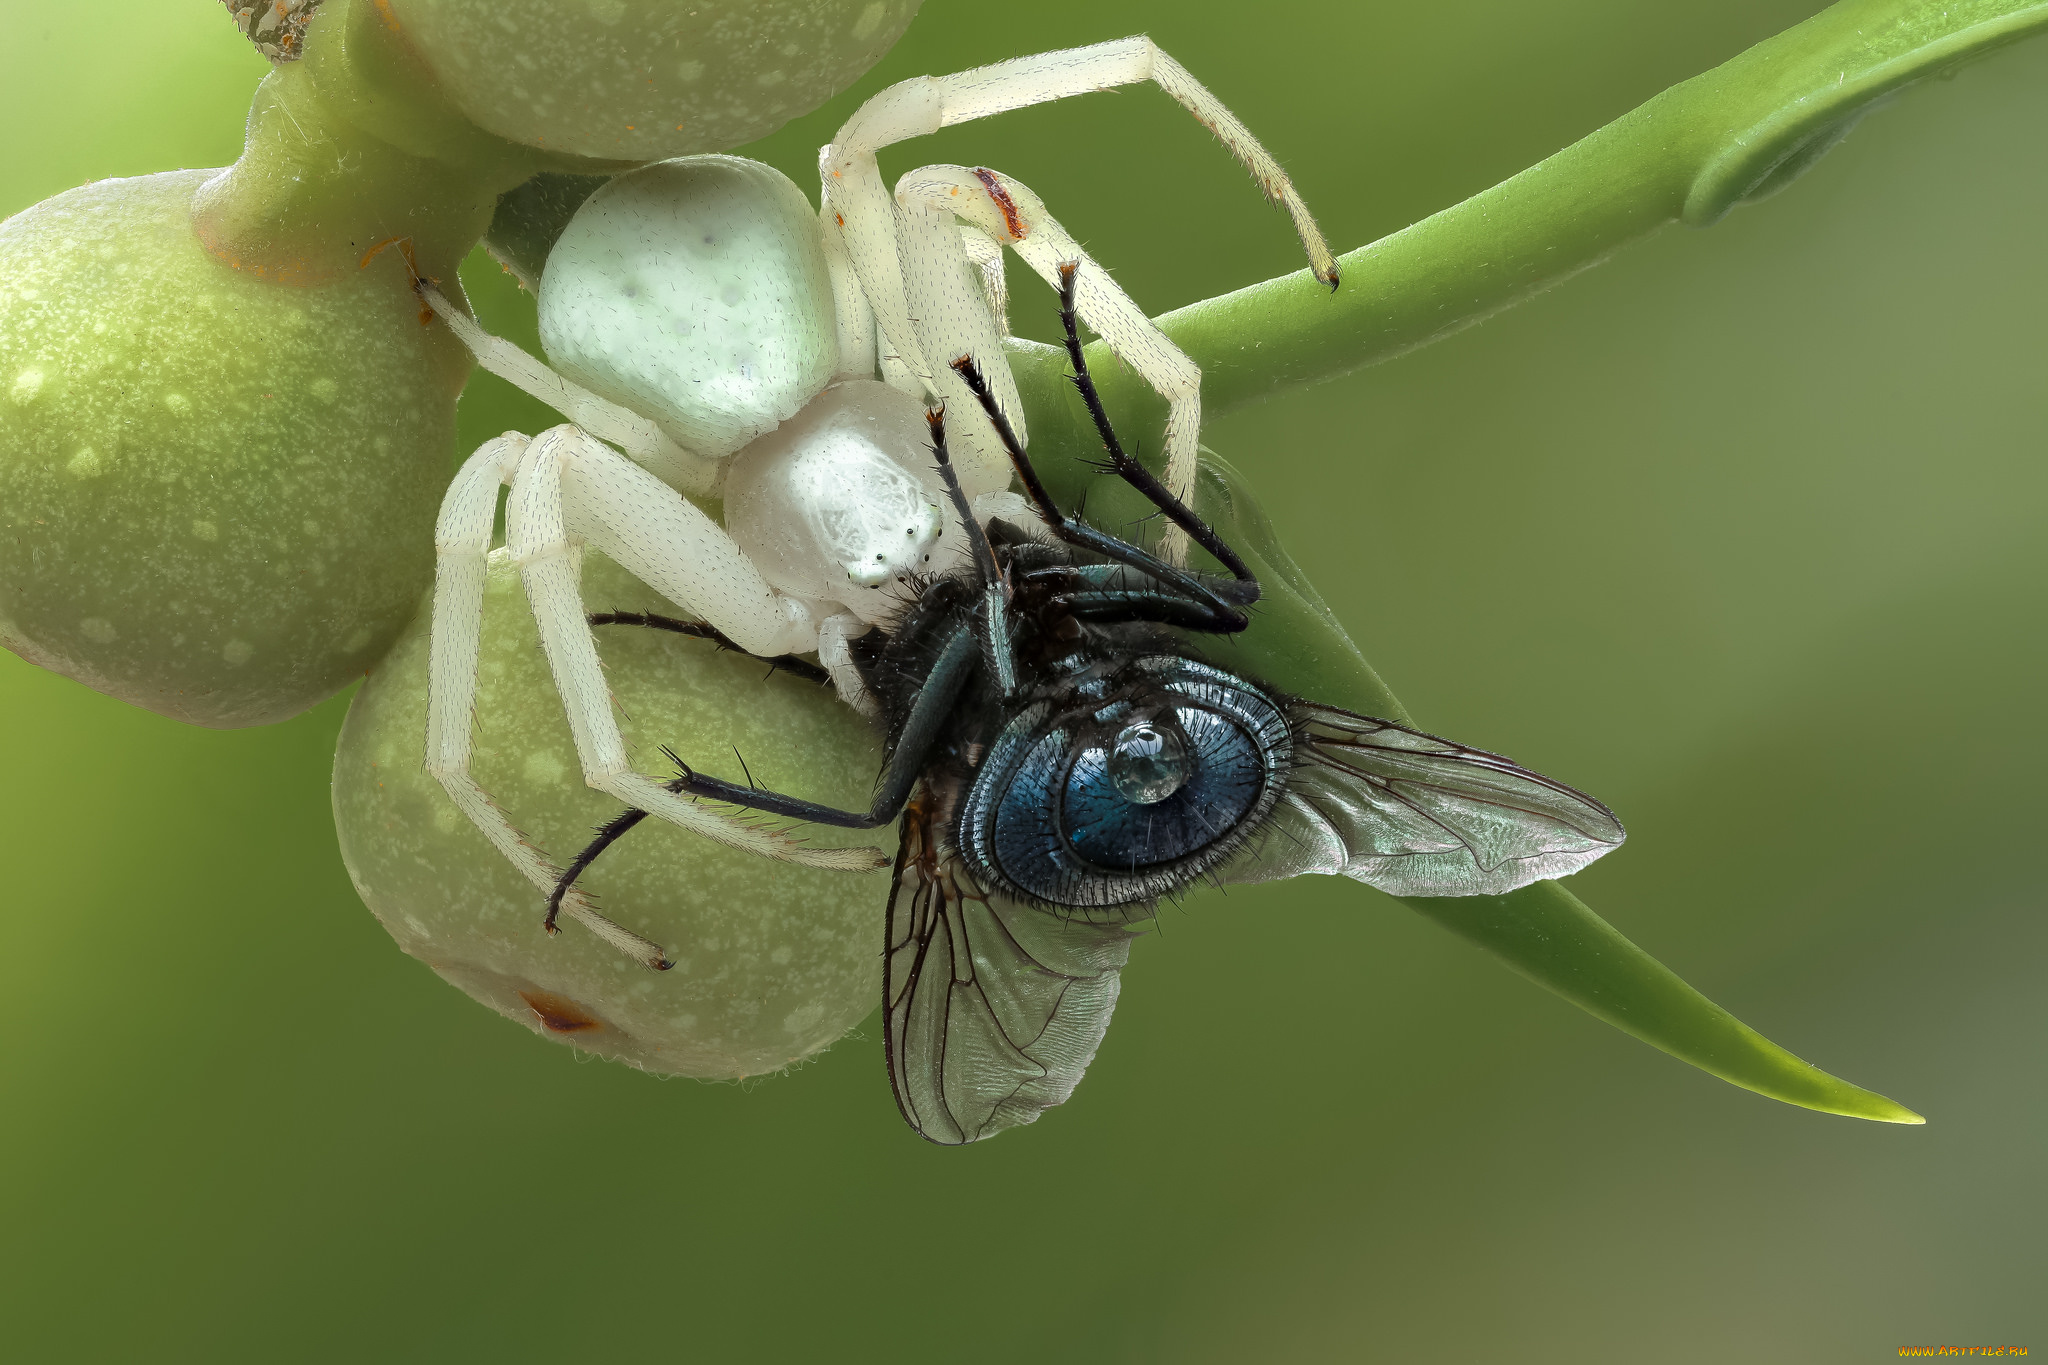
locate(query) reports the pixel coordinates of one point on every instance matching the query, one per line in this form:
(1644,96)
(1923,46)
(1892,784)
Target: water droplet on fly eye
(1149,764)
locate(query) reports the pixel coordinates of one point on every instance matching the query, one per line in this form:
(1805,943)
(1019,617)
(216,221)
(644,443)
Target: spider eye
(1099,810)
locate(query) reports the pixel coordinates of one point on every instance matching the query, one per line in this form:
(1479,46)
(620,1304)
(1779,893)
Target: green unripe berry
(636,80)
(217,493)
(773,962)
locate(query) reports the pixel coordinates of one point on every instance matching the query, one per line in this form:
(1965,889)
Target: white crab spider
(710,334)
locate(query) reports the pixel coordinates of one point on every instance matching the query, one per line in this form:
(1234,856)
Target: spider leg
(986,255)
(908,258)
(564,477)
(926,104)
(462,539)
(835,636)
(1009,212)
(958,655)
(607,421)
(786,663)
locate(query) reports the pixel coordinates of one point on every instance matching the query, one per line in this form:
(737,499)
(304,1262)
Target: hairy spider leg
(1007,209)
(948,677)
(561,479)
(777,663)
(616,828)
(670,545)
(908,259)
(606,420)
(462,541)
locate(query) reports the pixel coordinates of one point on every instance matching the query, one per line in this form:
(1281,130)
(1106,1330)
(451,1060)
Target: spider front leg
(871,224)
(628,430)
(1007,210)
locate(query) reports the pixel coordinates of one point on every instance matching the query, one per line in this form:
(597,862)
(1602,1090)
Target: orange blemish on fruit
(412,268)
(559,1015)
(297,274)
(390,19)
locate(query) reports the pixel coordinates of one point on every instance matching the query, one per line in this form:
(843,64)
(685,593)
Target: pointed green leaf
(1548,935)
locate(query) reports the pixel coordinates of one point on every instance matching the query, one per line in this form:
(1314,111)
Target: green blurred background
(1741,533)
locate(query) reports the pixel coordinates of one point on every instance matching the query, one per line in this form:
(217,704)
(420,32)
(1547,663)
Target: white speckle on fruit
(98,629)
(238,652)
(690,72)
(544,768)
(326,390)
(870,20)
(27,384)
(206,530)
(803,1018)
(768,80)
(781,956)
(178,403)
(356,641)
(86,464)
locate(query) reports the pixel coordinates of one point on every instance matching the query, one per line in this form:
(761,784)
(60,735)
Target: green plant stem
(354,146)
(1730,136)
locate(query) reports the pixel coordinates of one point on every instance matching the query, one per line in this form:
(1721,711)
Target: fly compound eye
(1147,764)
(1095,822)
(1154,800)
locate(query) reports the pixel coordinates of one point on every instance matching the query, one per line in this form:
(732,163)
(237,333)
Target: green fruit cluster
(224,429)
(226,425)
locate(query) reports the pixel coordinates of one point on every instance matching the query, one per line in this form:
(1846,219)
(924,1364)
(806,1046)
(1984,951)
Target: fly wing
(1416,815)
(992,1009)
